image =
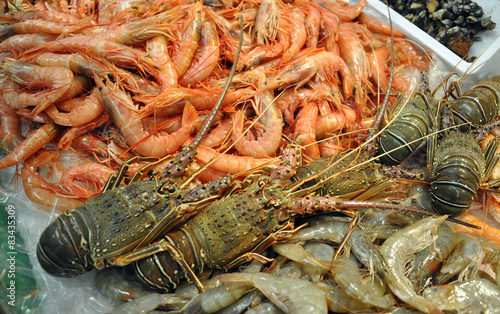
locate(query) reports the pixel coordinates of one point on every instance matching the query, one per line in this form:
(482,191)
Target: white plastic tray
(488,50)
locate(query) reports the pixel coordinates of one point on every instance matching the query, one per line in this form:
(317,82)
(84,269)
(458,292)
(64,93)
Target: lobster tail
(62,251)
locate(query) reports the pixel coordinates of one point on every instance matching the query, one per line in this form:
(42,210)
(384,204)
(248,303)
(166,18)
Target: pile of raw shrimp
(87,86)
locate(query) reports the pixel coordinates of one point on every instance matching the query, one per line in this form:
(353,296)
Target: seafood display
(267,155)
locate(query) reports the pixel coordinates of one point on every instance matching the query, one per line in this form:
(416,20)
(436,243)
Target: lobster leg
(352,226)
(285,233)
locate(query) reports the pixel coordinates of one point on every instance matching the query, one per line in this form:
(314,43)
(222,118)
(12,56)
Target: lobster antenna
(383,107)
(208,123)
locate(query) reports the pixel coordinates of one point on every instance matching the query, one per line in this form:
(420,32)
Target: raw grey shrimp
(214,299)
(54,80)
(148,303)
(475,295)
(339,301)
(401,246)
(265,308)
(292,295)
(348,275)
(464,261)
(311,264)
(111,283)
(428,260)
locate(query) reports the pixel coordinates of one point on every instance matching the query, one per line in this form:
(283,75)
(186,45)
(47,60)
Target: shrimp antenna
(187,153)
(383,107)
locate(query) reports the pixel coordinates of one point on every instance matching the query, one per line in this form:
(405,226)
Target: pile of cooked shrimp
(88,86)
(111,80)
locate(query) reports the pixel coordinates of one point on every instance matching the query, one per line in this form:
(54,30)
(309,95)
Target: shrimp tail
(189,115)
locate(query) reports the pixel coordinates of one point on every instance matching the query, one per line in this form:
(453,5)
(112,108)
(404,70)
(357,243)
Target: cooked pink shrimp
(173,101)
(267,22)
(330,24)
(39,191)
(206,58)
(301,70)
(267,137)
(229,163)
(116,53)
(218,135)
(330,147)
(335,120)
(298,33)
(313,22)
(407,53)
(75,62)
(353,52)
(378,27)
(345,11)
(39,26)
(121,109)
(380,60)
(304,131)
(53,16)
(19,43)
(208,175)
(94,175)
(230,35)
(188,43)
(88,66)
(9,128)
(36,140)
(84,109)
(289,101)
(54,81)
(485,230)
(158,51)
(73,132)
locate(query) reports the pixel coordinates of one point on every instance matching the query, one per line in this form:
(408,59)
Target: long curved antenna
(177,166)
